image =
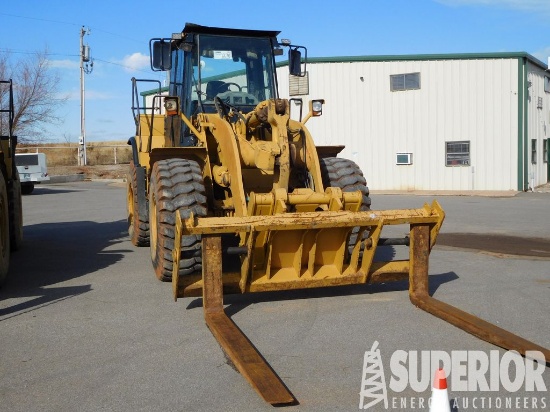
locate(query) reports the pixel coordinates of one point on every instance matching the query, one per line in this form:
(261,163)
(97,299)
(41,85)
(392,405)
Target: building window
(457,153)
(547,84)
(545,144)
(403,159)
(534,151)
(408,81)
(298,85)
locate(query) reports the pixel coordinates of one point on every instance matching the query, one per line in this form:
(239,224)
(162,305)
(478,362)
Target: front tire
(176,184)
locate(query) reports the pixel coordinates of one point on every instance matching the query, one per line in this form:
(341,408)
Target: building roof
(413,57)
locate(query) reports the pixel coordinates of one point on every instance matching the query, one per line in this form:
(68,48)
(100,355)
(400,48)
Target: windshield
(239,70)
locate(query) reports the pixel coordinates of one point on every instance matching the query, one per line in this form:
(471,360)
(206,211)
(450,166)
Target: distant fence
(96,154)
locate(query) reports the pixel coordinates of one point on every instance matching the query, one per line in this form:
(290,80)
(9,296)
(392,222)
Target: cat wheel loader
(231,194)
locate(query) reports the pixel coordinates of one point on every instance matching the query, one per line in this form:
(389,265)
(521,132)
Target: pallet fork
(424,228)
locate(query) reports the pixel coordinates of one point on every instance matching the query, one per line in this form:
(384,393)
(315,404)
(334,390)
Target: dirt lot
(91,172)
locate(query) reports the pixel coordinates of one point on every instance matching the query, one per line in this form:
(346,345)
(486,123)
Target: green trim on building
(425,57)
(521,98)
(525,125)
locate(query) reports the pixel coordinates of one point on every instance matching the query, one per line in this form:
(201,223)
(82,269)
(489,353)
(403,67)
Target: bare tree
(36,97)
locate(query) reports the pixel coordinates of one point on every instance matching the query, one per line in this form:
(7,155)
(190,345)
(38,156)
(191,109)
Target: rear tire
(16,213)
(346,175)
(4,231)
(176,184)
(138,225)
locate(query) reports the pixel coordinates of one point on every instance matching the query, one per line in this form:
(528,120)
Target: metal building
(434,122)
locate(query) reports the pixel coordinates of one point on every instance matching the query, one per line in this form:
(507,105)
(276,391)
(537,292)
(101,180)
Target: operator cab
(234,65)
(211,67)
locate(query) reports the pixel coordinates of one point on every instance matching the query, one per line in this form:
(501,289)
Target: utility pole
(86,67)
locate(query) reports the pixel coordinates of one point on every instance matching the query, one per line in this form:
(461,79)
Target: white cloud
(135,61)
(541,6)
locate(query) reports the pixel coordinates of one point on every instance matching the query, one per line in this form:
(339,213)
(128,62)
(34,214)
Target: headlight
(317,107)
(171,105)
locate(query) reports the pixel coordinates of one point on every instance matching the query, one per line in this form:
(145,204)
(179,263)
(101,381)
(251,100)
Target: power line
(72,24)
(38,18)
(2,50)
(117,35)
(5,50)
(73,55)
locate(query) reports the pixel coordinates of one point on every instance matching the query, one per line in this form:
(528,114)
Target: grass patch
(66,154)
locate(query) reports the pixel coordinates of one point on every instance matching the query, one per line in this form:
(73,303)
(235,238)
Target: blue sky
(120,33)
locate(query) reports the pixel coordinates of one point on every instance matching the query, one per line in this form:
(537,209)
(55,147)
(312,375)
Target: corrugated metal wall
(459,100)
(538,120)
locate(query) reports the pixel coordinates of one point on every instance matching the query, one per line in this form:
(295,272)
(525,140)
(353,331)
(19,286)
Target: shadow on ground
(45,190)
(56,252)
(497,244)
(236,303)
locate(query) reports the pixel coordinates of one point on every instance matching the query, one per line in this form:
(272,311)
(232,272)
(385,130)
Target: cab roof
(191,28)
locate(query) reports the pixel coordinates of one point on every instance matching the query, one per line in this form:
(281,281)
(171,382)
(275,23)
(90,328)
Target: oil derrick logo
(373,383)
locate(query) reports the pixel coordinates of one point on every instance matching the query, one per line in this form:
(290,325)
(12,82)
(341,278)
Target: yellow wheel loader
(232,195)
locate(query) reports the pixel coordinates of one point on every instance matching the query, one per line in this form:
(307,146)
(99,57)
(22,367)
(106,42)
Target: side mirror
(160,55)
(295,62)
